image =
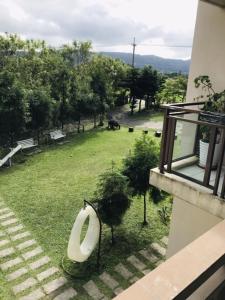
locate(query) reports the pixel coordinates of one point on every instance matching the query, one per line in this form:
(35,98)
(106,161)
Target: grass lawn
(46,192)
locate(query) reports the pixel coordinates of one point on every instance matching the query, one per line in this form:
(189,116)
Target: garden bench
(8,157)
(28,143)
(56,135)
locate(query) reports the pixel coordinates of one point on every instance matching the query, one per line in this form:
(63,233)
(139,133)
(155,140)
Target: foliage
(143,84)
(72,83)
(40,109)
(137,165)
(164,214)
(113,198)
(149,82)
(12,107)
(173,90)
(156,194)
(215,102)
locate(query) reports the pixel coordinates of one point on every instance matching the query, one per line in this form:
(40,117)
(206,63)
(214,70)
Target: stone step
(109,280)
(14,229)
(11,263)
(123,271)
(92,290)
(47,273)
(159,249)
(4,210)
(26,244)
(35,295)
(146,271)
(6,252)
(39,263)
(139,265)
(20,236)
(2,233)
(66,295)
(150,257)
(9,222)
(54,285)
(32,253)
(10,214)
(24,285)
(4,242)
(134,279)
(118,290)
(18,273)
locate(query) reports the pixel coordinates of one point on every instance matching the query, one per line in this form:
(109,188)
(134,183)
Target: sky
(160,27)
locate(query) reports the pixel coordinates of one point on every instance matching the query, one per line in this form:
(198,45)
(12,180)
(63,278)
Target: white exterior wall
(188,222)
(208,52)
(208,58)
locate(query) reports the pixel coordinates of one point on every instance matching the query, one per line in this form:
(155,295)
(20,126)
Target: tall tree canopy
(137,165)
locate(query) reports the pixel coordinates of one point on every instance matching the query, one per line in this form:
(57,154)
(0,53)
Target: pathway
(25,266)
(33,276)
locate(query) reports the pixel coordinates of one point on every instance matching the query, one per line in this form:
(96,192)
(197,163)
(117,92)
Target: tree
(149,84)
(40,109)
(173,90)
(113,198)
(137,165)
(12,107)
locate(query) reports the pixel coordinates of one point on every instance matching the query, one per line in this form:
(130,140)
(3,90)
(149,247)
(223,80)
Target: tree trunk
(112,235)
(78,126)
(95,121)
(38,136)
(132,105)
(145,219)
(139,109)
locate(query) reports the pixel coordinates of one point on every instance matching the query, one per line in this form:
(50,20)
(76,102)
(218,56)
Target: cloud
(59,21)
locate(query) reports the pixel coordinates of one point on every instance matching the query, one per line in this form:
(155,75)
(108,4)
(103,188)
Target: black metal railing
(191,113)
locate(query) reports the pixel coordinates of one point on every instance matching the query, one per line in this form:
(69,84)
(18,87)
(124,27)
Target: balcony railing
(180,145)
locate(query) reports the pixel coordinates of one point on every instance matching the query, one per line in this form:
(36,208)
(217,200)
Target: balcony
(195,273)
(180,150)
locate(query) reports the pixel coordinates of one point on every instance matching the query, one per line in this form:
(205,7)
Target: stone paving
(143,262)
(33,277)
(21,256)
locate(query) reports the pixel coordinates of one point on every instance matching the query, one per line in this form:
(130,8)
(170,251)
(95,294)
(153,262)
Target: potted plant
(212,112)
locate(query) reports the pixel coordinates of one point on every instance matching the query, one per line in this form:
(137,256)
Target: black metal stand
(100,233)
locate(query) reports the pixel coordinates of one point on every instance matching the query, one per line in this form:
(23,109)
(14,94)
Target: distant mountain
(163,65)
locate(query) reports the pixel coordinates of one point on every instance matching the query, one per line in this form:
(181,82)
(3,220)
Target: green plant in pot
(212,112)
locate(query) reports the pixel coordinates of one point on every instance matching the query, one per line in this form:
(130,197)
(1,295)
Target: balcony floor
(196,172)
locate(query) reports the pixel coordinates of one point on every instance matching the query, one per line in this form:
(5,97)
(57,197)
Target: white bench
(8,157)
(56,135)
(26,144)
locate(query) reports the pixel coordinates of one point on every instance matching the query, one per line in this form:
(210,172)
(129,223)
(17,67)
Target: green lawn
(46,192)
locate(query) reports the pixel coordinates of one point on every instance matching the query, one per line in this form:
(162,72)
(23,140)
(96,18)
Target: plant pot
(203,153)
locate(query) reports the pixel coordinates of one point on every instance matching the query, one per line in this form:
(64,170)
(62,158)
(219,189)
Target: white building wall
(208,52)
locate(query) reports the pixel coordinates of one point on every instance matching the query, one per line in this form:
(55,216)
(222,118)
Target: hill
(163,65)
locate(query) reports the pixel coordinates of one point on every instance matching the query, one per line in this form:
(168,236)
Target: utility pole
(133,100)
(134,45)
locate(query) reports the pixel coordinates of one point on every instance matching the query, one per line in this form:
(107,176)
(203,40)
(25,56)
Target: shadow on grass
(127,243)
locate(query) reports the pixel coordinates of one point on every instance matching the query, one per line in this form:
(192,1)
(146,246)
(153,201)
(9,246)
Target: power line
(167,46)
(146,45)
